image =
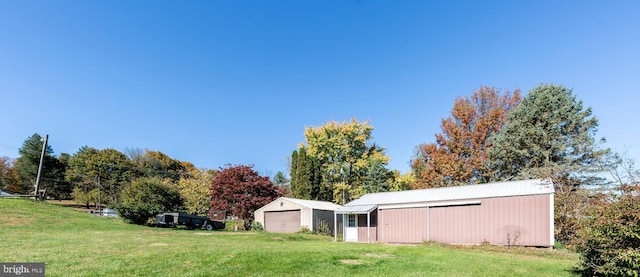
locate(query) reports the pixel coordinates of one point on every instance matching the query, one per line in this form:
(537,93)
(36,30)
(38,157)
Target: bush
(257,226)
(305,230)
(234,225)
(144,198)
(323,228)
(610,238)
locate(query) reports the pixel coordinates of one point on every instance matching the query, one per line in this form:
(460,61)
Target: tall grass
(72,243)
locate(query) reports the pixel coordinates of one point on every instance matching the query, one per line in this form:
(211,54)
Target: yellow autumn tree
(346,155)
(194,190)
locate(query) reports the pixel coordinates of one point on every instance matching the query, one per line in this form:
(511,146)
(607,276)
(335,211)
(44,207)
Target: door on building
(282,222)
(351,228)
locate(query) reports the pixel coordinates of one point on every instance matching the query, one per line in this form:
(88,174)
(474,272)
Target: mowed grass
(72,243)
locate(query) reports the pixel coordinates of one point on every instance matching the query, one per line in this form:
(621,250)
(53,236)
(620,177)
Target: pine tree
(53,170)
(549,130)
(550,135)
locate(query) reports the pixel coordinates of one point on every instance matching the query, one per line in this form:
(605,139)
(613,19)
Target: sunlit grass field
(73,243)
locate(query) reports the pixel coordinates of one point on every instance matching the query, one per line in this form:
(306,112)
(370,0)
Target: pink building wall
(517,220)
(373,227)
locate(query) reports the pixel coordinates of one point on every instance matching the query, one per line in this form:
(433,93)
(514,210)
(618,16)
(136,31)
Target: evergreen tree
(280,179)
(550,135)
(549,130)
(302,185)
(53,170)
(377,178)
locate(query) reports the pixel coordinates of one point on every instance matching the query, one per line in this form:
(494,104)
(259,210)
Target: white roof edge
(356,209)
(489,190)
(313,204)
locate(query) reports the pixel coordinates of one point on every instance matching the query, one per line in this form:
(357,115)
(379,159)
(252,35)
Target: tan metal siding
(282,221)
(407,225)
(284,205)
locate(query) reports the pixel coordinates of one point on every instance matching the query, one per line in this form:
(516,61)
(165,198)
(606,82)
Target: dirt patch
(203,234)
(16,221)
(350,261)
(159,244)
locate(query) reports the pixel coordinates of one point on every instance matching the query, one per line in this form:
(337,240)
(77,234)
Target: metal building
(504,213)
(289,215)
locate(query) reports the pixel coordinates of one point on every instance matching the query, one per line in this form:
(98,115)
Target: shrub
(144,198)
(323,228)
(257,226)
(305,230)
(610,238)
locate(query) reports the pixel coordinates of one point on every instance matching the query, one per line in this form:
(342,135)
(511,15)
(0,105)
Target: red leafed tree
(240,191)
(459,155)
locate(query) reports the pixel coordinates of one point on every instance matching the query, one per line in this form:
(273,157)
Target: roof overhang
(356,209)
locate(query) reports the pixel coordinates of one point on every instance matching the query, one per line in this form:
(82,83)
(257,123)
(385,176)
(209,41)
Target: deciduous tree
(5,171)
(402,181)
(142,199)
(240,191)
(609,243)
(158,164)
(99,174)
(194,190)
(460,154)
(345,152)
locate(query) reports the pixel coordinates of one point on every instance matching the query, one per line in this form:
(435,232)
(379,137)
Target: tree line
(494,136)
(491,135)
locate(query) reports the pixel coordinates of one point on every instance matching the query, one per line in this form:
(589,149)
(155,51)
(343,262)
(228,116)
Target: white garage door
(282,222)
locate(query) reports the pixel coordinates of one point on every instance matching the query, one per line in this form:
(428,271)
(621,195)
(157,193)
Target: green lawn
(73,243)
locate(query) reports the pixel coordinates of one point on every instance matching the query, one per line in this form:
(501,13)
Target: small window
(351,220)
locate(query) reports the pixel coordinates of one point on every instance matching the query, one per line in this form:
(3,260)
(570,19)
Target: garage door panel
(405,225)
(282,221)
(454,224)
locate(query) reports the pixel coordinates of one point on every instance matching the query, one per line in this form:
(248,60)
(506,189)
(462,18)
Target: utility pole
(99,196)
(44,149)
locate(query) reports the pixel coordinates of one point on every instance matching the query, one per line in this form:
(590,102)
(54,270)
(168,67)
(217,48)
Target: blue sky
(217,82)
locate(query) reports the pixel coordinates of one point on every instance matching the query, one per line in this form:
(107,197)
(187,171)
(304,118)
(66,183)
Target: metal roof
(314,204)
(500,189)
(356,209)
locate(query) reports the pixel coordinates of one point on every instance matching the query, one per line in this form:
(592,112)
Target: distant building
(290,215)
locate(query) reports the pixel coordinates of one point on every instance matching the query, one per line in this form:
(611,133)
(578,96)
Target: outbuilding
(290,215)
(503,213)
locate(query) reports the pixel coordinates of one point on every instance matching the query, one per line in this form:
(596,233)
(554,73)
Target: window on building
(351,220)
